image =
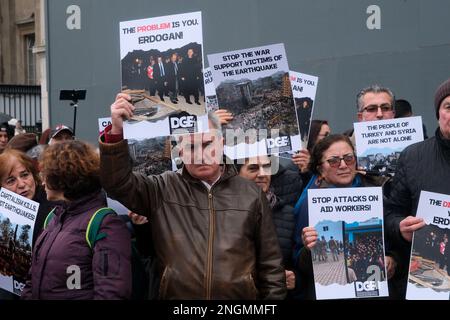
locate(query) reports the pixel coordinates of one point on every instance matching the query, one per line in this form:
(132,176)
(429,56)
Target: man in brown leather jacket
(212,230)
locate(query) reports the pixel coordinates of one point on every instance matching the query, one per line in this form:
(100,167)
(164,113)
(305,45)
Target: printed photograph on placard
(17,218)
(304,88)
(253,84)
(348,257)
(379,143)
(162,64)
(429,268)
(150,156)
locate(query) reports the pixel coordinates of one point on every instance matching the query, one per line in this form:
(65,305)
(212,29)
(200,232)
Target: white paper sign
(379,143)
(103,123)
(17,218)
(212,103)
(429,274)
(163,57)
(253,84)
(348,258)
(304,88)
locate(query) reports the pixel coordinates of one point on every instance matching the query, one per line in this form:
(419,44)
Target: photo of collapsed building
(264,103)
(380,163)
(430,259)
(15,249)
(151,156)
(164,83)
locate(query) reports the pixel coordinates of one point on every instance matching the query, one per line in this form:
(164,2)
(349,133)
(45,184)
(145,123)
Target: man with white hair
(212,230)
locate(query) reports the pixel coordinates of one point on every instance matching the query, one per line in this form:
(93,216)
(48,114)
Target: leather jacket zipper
(209,258)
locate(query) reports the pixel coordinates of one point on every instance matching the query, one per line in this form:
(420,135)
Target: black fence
(22,103)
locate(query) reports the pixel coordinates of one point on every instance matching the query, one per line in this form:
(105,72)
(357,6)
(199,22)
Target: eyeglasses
(335,162)
(373,108)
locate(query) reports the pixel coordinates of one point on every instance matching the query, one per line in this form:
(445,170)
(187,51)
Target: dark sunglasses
(335,162)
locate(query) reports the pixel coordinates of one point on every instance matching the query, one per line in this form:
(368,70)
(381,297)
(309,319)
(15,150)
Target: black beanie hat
(441,93)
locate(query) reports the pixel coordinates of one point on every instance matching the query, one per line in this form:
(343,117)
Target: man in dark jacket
(172,78)
(212,230)
(421,166)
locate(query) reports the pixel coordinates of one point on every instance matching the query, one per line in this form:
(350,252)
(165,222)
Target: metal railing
(23,103)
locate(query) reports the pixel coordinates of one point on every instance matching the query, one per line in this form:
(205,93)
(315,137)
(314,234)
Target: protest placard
(379,143)
(348,258)
(429,268)
(253,84)
(17,218)
(304,88)
(212,104)
(162,63)
(149,156)
(103,123)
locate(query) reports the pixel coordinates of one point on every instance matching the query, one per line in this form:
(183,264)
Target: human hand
(390,266)
(409,225)
(137,219)
(290,279)
(301,160)
(120,109)
(224,116)
(309,237)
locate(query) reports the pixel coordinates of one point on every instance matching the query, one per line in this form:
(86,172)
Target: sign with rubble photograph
(17,218)
(429,268)
(253,84)
(348,257)
(379,143)
(162,64)
(150,156)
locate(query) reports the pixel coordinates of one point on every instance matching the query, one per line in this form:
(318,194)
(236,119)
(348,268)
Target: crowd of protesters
(366,251)
(214,230)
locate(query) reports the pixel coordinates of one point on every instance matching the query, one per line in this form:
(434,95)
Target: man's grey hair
(375,88)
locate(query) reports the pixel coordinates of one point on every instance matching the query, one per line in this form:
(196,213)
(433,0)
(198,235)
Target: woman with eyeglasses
(333,164)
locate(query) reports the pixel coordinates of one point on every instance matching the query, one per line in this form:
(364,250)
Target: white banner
(348,257)
(429,269)
(162,63)
(17,218)
(253,84)
(379,143)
